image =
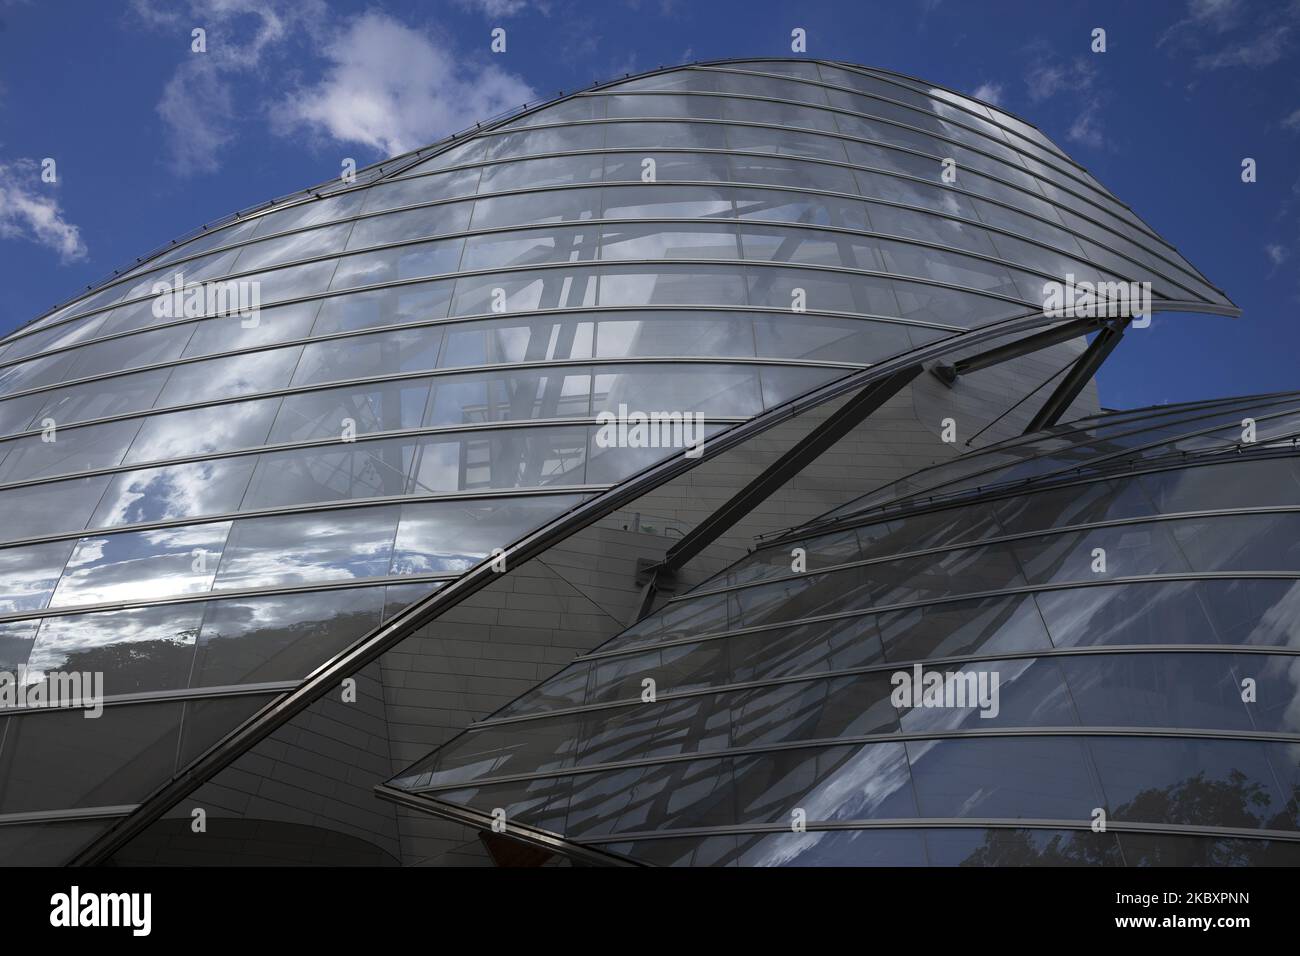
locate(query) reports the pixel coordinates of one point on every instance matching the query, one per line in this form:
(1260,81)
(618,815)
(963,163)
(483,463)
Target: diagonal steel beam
(948,374)
(1085,367)
(810,447)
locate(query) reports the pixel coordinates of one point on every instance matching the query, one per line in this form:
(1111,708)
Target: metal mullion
(598,266)
(530,190)
(844,111)
(973,544)
(1019,486)
(836,135)
(740,687)
(826,743)
(343,504)
(217,595)
(826,84)
(956,599)
(441,372)
(546,266)
(180,694)
(942,823)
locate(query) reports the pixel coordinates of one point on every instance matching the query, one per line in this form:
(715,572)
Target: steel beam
(1084,369)
(948,374)
(811,446)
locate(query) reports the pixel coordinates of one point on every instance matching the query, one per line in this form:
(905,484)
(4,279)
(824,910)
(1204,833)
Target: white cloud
(1217,16)
(1086,128)
(1271,26)
(1276,254)
(392,88)
(501,8)
(989,93)
(1048,76)
(197,104)
(1292,122)
(28,211)
(1258,52)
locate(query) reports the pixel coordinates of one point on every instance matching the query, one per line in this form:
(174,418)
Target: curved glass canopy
(973,678)
(205,505)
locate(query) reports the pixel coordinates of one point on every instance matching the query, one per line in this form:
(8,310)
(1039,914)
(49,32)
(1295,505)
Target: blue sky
(150,140)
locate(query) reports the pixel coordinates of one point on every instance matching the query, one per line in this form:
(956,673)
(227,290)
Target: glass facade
(976,676)
(205,507)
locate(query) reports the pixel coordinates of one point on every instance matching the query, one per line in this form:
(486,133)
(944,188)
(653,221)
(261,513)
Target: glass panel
(670,242)
(676,107)
(1189,782)
(810,246)
(300,245)
(537,173)
(132,351)
(777,288)
(384,406)
(397,264)
(515,458)
(136,566)
(524,291)
(281,637)
(667,201)
(664,136)
(529,247)
(202,431)
(776,171)
(562,205)
(672,285)
(16,639)
(453,536)
(719,390)
(365,356)
(453,155)
(510,396)
(370,469)
(1045,779)
(638,334)
(511,341)
(79,403)
(827,339)
(1160,690)
(73,450)
(668,167)
(422,189)
(57,761)
(232,334)
(308,548)
(310,213)
(50,509)
(441,220)
(16,414)
(139,650)
(837,783)
(393,306)
(214,379)
(177,491)
(28,575)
